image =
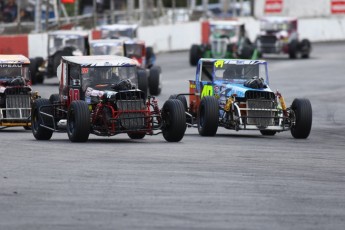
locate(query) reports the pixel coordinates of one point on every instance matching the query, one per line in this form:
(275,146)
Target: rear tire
(33,71)
(78,121)
(174,120)
(303,118)
(208,116)
(293,49)
(39,132)
(155,85)
(181,98)
(194,55)
(142,81)
(305,47)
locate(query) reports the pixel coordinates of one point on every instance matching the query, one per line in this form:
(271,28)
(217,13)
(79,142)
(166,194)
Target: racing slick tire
(155,85)
(302,111)
(33,71)
(305,48)
(293,49)
(35,75)
(37,119)
(54,98)
(78,121)
(181,98)
(268,132)
(194,55)
(142,81)
(150,57)
(174,120)
(208,116)
(137,135)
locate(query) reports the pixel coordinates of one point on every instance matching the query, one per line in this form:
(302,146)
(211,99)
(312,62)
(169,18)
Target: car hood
(228,89)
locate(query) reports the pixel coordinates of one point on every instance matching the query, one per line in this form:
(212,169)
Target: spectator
(10,11)
(24,16)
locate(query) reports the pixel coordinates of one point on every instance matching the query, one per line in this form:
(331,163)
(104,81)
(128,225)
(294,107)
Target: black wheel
(182,98)
(137,135)
(150,57)
(208,116)
(27,127)
(54,98)
(268,132)
(56,61)
(194,55)
(174,120)
(142,81)
(33,71)
(37,119)
(155,84)
(293,49)
(78,121)
(302,111)
(305,48)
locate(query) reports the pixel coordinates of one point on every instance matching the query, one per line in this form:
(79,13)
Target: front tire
(208,116)
(174,120)
(37,119)
(302,111)
(78,121)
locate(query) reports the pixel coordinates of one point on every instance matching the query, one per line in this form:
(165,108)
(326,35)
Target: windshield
(134,50)
(223,31)
(107,49)
(113,34)
(274,26)
(10,71)
(105,77)
(240,72)
(58,42)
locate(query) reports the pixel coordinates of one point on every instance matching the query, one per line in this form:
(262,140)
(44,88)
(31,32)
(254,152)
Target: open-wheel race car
(15,91)
(60,43)
(223,39)
(279,35)
(98,95)
(234,94)
(149,73)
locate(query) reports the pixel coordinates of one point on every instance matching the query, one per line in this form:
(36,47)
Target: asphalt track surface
(235,180)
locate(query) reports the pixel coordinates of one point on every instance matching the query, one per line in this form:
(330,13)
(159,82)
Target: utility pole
(205,8)
(76,12)
(94,9)
(112,11)
(130,10)
(38,13)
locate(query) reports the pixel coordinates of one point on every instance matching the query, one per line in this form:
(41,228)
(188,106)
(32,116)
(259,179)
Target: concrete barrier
(165,38)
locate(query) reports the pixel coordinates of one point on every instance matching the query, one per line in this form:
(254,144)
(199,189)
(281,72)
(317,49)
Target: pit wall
(166,38)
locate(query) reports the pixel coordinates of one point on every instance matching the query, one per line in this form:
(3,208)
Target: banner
(338,6)
(273,6)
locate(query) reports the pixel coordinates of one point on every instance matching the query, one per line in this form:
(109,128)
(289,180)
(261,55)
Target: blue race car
(235,94)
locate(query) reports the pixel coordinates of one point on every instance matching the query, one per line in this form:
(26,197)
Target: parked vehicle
(235,94)
(99,95)
(279,35)
(16,94)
